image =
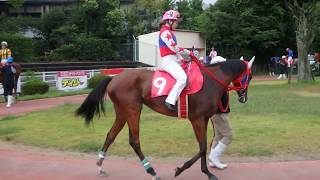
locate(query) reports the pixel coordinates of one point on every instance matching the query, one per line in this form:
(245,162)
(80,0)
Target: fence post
(44,76)
(134,49)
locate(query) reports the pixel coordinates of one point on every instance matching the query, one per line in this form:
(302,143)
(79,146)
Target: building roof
(46,1)
(186,30)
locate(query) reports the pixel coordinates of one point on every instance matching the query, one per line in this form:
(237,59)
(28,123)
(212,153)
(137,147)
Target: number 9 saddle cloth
(162,82)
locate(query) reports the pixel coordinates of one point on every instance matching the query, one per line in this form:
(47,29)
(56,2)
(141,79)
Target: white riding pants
(290,61)
(170,64)
(3,61)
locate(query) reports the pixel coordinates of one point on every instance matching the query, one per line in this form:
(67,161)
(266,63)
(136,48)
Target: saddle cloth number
(160,83)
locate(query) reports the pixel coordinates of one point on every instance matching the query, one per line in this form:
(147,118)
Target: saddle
(162,82)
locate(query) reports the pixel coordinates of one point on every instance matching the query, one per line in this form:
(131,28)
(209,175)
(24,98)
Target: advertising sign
(71,80)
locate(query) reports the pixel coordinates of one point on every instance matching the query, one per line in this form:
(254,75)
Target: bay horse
(16,77)
(132,88)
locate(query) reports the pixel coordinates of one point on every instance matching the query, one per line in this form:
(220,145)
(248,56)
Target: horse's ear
(251,62)
(241,58)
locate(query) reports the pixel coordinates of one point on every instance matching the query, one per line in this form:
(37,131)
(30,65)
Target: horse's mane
(231,66)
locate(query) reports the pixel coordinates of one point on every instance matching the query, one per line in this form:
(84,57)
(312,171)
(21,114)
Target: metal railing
(49,77)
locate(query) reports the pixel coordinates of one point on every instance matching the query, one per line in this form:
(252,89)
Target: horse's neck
(227,75)
(220,75)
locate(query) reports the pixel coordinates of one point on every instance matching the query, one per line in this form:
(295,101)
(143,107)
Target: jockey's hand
(191,54)
(185,51)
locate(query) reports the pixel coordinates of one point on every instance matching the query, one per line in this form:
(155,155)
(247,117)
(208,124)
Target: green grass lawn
(278,119)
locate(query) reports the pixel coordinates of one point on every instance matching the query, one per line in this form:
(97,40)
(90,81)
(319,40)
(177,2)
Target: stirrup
(169,106)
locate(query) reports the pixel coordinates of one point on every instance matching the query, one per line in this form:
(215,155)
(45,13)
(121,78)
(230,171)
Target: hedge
(34,86)
(94,81)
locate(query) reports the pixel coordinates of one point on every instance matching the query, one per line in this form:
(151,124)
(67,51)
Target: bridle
(242,80)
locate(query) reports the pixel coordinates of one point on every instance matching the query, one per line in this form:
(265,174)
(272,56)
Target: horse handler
(223,132)
(8,81)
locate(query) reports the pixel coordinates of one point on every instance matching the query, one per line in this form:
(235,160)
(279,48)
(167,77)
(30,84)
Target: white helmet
(4,43)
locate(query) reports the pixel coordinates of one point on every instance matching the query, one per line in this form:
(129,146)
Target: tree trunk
(304,73)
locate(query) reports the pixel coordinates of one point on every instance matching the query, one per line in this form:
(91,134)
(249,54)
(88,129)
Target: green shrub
(34,86)
(17,24)
(94,81)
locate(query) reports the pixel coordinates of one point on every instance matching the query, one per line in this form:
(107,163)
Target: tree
(190,10)
(303,13)
(239,28)
(16,4)
(115,26)
(316,43)
(90,9)
(150,12)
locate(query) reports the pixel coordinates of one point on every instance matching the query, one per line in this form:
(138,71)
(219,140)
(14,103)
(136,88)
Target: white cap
(217,59)
(4,43)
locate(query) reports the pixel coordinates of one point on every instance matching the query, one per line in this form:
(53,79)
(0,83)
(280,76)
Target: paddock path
(16,164)
(23,163)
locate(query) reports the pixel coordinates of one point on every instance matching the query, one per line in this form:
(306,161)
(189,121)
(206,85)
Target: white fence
(51,76)
(48,77)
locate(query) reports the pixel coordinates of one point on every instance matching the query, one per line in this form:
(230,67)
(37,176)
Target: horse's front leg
(200,130)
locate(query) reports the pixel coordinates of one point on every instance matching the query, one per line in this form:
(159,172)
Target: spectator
(213,53)
(8,80)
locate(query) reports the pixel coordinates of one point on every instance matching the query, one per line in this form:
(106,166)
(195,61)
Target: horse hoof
(103,173)
(178,172)
(213,178)
(155,178)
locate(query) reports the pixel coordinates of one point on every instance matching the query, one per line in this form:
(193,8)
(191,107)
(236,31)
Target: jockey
(5,52)
(8,80)
(170,54)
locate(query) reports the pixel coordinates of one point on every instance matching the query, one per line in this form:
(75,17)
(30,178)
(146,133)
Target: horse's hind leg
(134,140)
(112,134)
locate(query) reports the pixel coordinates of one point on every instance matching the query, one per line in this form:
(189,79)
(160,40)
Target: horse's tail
(94,103)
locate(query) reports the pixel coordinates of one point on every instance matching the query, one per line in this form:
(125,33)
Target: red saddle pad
(162,82)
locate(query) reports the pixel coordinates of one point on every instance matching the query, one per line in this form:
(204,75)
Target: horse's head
(241,83)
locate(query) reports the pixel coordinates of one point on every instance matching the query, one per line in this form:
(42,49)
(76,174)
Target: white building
(148,45)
